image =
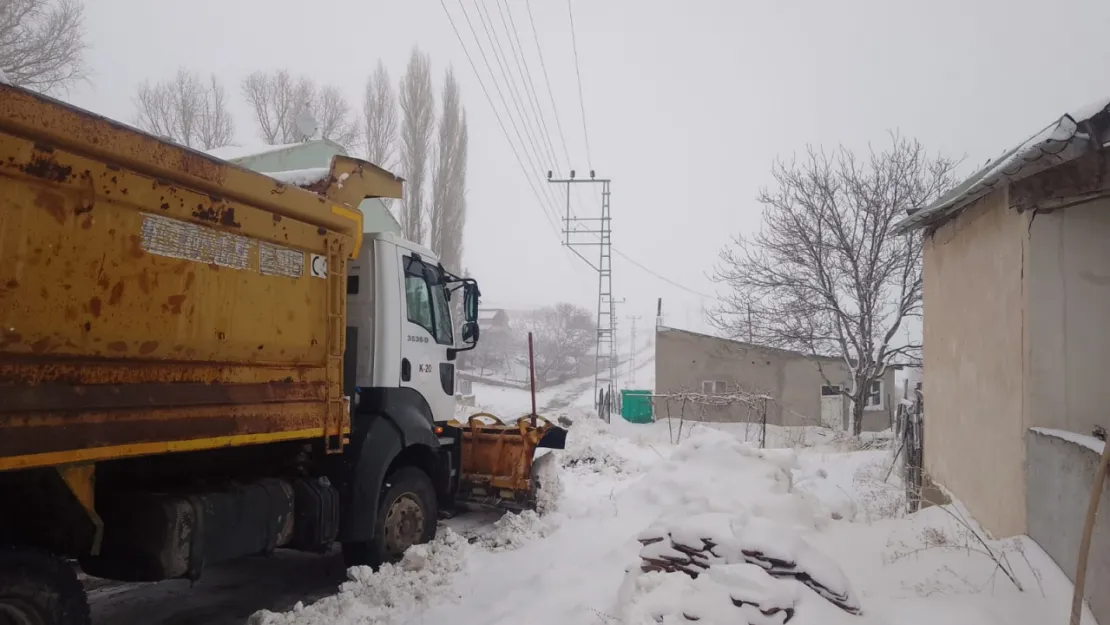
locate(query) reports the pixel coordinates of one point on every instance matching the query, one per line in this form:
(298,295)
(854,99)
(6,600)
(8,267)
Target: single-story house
(804,389)
(493,319)
(1016,333)
(298,162)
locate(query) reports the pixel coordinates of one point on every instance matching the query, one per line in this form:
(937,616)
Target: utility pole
(632,352)
(591,231)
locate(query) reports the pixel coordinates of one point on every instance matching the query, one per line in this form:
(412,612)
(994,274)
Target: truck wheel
(407,516)
(39,589)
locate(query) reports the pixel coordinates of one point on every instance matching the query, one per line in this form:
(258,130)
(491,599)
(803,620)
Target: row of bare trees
(399,130)
(429,156)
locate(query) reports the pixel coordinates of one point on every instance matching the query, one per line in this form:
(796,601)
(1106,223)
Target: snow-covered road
(826,512)
(833,515)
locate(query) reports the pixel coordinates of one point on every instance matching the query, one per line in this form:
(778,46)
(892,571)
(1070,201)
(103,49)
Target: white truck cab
(400,326)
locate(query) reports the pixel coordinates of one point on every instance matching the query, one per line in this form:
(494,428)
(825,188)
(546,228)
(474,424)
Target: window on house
(875,395)
(713,387)
(827,391)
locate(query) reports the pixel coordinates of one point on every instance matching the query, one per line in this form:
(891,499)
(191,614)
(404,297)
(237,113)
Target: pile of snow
(592,447)
(712,471)
(731,594)
(754,551)
(423,575)
(549,487)
(514,530)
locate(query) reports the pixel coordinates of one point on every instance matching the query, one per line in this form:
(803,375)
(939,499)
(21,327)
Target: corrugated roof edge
(1056,144)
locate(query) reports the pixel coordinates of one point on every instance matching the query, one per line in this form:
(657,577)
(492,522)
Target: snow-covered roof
(486,314)
(1061,141)
(301,177)
(236,152)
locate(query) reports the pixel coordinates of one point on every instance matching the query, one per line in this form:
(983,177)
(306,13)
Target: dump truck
(199,362)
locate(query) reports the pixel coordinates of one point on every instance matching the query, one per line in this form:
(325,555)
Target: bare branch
(448,208)
(825,275)
(563,336)
(277,99)
(186,109)
(380,116)
(42,43)
(417,107)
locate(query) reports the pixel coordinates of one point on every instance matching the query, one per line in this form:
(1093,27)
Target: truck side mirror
(470,332)
(470,303)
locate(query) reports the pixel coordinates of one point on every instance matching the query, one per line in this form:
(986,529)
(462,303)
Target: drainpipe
(1088,527)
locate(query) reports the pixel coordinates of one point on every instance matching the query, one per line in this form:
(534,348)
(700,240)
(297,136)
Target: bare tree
(42,43)
(336,117)
(186,109)
(278,98)
(380,116)
(448,210)
(825,275)
(417,108)
(562,337)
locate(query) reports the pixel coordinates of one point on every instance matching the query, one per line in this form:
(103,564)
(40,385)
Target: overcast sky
(686,103)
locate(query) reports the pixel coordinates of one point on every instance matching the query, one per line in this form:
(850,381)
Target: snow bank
(727,595)
(4,78)
(592,447)
(391,595)
(695,546)
(713,471)
(549,487)
(514,530)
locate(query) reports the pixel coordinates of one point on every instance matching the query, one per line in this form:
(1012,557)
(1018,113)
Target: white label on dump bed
(275,260)
(318,266)
(180,239)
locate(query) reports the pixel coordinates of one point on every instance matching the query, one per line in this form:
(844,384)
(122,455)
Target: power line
(497,115)
(662,277)
(548,211)
(547,79)
(504,131)
(529,84)
(503,63)
(578,71)
(551,96)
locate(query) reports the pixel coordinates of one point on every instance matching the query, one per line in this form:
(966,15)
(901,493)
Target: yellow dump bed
(156,299)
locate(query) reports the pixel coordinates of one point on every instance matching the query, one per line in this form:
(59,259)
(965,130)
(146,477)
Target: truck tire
(407,515)
(39,589)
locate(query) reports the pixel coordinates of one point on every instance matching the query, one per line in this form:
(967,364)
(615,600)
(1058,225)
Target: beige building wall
(683,360)
(974,355)
(1068,319)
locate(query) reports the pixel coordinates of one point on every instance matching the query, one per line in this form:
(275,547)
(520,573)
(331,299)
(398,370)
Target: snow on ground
(808,533)
(812,529)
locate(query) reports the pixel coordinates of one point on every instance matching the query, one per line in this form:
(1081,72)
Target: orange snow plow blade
(498,457)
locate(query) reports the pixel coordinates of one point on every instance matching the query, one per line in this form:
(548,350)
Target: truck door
(427,334)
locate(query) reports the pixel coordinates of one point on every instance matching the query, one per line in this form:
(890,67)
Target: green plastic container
(636,406)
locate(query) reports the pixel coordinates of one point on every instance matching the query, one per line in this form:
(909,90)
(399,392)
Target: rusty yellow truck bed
(155,299)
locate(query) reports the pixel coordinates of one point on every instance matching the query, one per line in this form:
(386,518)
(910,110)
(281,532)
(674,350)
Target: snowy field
(815,535)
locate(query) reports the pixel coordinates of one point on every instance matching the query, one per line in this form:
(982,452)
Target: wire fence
(909,431)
